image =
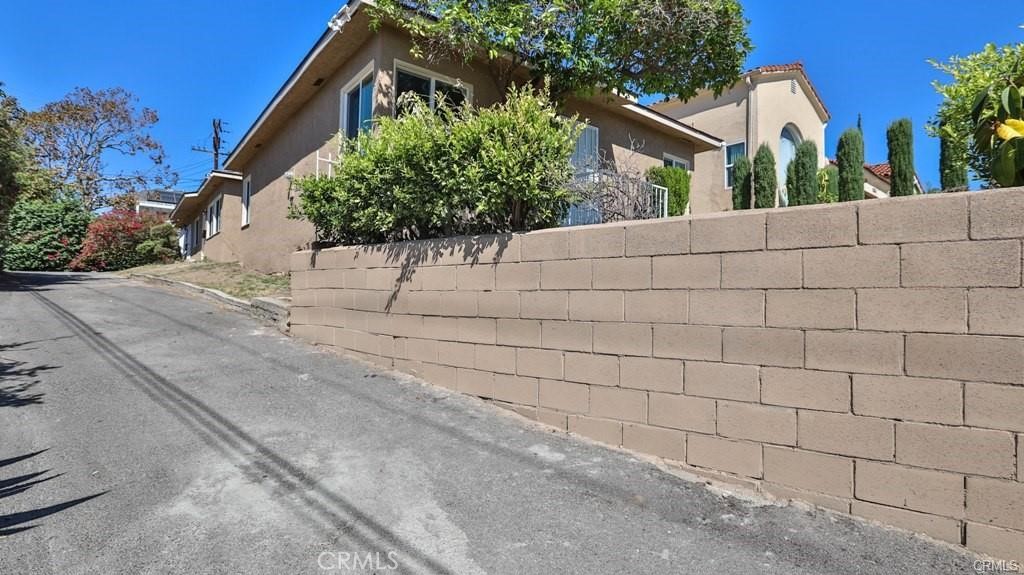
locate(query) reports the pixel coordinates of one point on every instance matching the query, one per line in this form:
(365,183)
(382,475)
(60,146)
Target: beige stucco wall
(777,107)
(224,245)
(271,236)
(866,357)
(632,148)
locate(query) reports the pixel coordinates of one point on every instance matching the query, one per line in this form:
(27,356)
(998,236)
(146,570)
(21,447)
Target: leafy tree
(991,71)
(677,180)
(803,189)
(633,46)
(952,170)
(900,140)
(1000,135)
(741,183)
(461,171)
(828,185)
(122,239)
(44,235)
(75,137)
(20,176)
(850,158)
(764,178)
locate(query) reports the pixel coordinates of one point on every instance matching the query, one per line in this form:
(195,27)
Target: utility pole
(217,131)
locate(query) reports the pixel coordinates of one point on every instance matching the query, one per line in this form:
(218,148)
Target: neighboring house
(351,75)
(878,181)
(158,203)
(774,105)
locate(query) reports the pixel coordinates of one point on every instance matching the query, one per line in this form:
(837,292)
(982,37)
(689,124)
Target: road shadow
(21,521)
(42,281)
(306,497)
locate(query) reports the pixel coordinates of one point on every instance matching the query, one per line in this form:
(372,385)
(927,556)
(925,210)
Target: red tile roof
(797,66)
(883,170)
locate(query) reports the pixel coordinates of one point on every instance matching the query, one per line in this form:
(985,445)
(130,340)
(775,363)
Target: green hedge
(677,180)
(766,181)
(451,172)
(43,235)
(741,183)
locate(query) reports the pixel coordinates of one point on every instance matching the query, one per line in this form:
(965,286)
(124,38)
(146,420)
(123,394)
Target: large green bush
(122,239)
(741,183)
(44,235)
(900,140)
(850,158)
(447,172)
(803,190)
(677,180)
(766,182)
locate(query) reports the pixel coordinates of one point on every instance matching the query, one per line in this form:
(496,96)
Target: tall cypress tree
(741,183)
(900,137)
(803,190)
(765,179)
(952,166)
(850,157)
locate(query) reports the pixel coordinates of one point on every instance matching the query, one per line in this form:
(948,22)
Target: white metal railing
(607,196)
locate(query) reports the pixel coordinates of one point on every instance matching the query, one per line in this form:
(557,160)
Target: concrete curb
(269,310)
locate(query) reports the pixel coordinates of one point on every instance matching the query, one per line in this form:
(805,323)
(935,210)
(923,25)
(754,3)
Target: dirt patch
(229,278)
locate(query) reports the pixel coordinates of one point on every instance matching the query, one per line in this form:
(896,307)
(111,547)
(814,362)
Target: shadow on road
(18,380)
(13,523)
(310,500)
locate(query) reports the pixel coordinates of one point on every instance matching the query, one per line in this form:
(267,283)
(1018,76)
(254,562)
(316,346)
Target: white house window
(246,199)
(586,157)
(676,162)
(358,107)
(213,217)
(433,88)
(732,152)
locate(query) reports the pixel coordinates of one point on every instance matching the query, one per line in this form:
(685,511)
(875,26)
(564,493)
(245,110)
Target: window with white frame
(246,199)
(433,88)
(732,152)
(213,216)
(676,162)
(357,103)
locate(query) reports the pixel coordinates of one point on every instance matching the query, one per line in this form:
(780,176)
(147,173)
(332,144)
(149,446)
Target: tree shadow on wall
(410,255)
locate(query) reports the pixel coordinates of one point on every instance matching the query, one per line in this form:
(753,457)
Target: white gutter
(225,174)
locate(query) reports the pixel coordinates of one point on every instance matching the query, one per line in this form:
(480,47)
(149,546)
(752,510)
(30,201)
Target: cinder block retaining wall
(866,357)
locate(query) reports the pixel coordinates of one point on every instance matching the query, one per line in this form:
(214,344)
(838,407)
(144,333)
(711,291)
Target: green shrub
(677,180)
(952,167)
(44,235)
(803,190)
(900,139)
(741,184)
(765,180)
(828,185)
(850,157)
(451,172)
(122,239)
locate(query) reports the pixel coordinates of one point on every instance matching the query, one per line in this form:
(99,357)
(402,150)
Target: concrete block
(818,226)
(658,237)
(659,306)
(936,492)
(652,374)
(843,434)
(810,471)
(908,398)
(994,263)
(681,412)
(763,346)
(914,219)
(728,232)
(727,307)
(960,449)
(762,270)
(855,351)
(817,390)
(966,357)
(853,267)
(688,342)
(687,272)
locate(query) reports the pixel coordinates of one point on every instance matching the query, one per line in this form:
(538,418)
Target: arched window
(788,141)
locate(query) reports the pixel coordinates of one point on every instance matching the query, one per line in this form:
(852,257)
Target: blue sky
(194,60)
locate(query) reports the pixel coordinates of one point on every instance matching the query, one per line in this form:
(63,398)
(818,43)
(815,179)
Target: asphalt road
(143,431)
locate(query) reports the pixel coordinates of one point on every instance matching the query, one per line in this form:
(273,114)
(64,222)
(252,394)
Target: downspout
(749,135)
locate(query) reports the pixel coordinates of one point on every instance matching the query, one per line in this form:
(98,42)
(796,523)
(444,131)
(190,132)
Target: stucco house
(774,105)
(352,74)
